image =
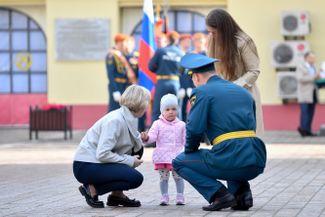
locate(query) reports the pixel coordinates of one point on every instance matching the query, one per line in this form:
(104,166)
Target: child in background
(169,134)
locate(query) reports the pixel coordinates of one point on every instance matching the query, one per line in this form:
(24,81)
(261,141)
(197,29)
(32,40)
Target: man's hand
(181,93)
(117,96)
(189,92)
(137,161)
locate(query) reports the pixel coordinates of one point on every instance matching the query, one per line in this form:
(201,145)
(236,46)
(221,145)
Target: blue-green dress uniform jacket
(118,80)
(165,62)
(220,107)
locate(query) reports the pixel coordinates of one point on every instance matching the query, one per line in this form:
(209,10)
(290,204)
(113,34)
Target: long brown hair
(226,46)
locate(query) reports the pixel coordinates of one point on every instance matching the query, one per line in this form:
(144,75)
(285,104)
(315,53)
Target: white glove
(181,93)
(117,96)
(189,92)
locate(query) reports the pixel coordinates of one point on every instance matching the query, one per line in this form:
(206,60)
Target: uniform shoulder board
(109,59)
(192,100)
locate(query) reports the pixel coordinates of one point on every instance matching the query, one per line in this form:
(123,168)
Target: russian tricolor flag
(147,78)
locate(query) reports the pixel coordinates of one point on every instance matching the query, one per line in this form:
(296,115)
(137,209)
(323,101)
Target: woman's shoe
(123,201)
(91,201)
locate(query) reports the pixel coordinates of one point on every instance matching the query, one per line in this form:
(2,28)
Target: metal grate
(50,120)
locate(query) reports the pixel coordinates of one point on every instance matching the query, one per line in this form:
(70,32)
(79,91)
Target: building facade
(34,72)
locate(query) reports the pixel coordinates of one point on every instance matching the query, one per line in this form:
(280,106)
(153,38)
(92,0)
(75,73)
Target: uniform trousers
(203,177)
(307,111)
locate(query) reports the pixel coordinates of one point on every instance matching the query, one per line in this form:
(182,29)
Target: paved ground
(20,134)
(36,180)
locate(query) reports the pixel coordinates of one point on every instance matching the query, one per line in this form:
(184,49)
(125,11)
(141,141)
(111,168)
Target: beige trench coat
(247,73)
(306,84)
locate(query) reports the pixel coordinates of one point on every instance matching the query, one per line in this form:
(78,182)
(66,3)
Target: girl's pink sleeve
(183,134)
(153,133)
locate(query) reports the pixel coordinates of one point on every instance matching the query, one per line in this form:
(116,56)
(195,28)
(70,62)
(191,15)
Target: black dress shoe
(123,201)
(310,134)
(244,200)
(301,132)
(226,201)
(91,201)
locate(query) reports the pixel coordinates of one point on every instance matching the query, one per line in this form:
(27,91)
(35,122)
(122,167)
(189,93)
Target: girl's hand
(144,136)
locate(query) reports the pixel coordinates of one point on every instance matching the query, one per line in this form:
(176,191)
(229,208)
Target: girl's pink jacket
(169,138)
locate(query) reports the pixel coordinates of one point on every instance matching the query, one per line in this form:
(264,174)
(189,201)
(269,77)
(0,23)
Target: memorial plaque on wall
(81,39)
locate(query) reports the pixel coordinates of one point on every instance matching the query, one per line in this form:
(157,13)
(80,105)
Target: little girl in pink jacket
(169,134)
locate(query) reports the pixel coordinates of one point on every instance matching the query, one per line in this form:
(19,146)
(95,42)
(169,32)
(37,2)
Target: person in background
(199,43)
(161,40)
(199,46)
(108,154)
(224,113)
(307,93)
(169,134)
(185,81)
(119,72)
(133,56)
(238,54)
(185,43)
(165,63)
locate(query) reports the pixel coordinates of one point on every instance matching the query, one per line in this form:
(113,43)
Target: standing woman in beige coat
(238,55)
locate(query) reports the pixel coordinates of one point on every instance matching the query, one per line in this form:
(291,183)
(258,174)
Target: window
(182,21)
(23,60)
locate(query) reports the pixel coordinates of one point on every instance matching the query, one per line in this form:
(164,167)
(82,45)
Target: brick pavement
(36,180)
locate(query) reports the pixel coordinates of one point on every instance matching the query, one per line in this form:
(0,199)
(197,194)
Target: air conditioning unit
(287,85)
(295,23)
(288,54)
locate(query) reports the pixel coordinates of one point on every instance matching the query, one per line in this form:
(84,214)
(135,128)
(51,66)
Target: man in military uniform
(132,57)
(119,72)
(199,43)
(224,113)
(166,63)
(186,82)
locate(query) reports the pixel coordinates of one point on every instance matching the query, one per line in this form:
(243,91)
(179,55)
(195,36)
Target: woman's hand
(137,161)
(144,136)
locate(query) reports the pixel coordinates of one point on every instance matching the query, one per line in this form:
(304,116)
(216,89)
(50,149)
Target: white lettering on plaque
(81,39)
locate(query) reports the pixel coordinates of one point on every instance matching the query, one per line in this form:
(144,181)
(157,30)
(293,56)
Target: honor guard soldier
(199,43)
(132,57)
(224,113)
(166,63)
(118,70)
(186,83)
